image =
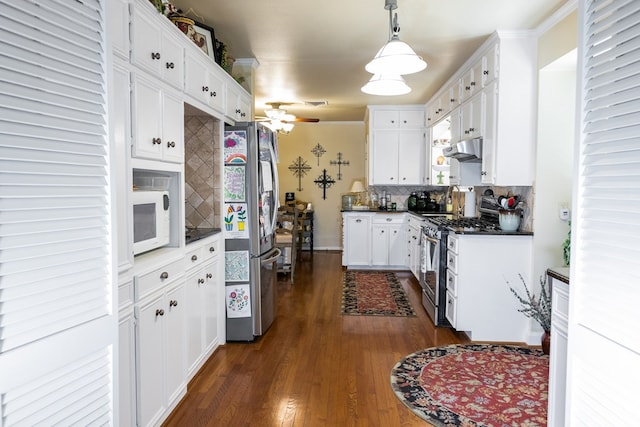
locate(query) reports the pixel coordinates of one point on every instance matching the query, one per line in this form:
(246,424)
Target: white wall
(554,161)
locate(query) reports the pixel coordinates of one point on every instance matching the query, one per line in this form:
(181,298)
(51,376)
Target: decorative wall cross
(324,181)
(339,162)
(318,151)
(299,168)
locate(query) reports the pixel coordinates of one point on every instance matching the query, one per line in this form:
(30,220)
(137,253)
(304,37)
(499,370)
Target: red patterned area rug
(475,385)
(371,293)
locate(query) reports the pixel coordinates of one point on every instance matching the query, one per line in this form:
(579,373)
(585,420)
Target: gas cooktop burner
(477,224)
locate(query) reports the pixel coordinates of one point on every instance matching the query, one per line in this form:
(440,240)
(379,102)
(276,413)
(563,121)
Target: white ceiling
(317,50)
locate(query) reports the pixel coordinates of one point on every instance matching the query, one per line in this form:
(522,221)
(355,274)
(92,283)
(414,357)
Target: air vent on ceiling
(316,103)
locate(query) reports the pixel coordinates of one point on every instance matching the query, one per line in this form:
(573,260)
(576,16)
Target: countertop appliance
(151,220)
(250,208)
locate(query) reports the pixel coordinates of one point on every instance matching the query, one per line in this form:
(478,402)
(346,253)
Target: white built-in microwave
(150,220)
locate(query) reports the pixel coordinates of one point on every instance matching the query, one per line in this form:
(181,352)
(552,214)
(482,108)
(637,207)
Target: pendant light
(386,85)
(395,57)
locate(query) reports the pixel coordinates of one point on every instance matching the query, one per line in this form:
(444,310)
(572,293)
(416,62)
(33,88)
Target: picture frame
(204,37)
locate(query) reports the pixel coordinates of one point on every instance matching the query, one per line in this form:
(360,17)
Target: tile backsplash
(202,155)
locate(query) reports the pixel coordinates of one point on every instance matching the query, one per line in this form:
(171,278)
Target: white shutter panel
(604,341)
(56,289)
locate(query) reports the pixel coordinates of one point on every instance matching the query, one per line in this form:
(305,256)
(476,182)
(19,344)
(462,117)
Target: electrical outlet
(564,214)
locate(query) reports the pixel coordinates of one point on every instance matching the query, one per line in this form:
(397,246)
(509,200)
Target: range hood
(468,150)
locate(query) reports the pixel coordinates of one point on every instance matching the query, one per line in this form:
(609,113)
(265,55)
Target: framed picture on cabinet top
(204,37)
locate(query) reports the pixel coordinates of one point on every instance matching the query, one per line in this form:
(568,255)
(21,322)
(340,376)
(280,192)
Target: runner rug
(371,293)
(475,385)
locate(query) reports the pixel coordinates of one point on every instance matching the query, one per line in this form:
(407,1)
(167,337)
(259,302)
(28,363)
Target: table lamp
(358,187)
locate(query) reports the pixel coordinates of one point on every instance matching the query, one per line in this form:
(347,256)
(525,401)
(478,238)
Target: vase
(546,342)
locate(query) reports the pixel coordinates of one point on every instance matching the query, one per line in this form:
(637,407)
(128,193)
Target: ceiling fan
(278,120)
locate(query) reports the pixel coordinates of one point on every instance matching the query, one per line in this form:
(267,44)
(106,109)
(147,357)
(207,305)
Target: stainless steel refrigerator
(250,214)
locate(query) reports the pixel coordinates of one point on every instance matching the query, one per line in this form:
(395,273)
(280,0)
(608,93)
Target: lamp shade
(396,57)
(357,187)
(386,85)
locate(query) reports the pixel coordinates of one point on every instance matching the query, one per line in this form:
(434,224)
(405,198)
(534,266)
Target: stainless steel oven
(432,256)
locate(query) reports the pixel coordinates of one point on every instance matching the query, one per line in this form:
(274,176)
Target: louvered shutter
(604,335)
(56,293)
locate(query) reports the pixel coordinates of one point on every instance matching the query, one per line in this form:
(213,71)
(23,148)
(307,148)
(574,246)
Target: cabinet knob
(404,178)
(155,55)
(472,129)
(389,220)
(485,72)
(243,114)
(452,100)
(358,220)
(393,121)
(472,83)
(483,173)
(200,281)
(169,65)
(159,312)
(212,249)
(155,141)
(382,231)
(467,88)
(391,178)
(205,88)
(171,144)
(173,303)
(237,111)
(164,275)
(213,94)
(450,279)
(194,257)
(209,275)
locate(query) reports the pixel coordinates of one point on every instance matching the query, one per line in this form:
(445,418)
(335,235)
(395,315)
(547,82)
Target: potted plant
(538,308)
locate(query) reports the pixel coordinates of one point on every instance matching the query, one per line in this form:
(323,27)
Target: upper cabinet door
(155,49)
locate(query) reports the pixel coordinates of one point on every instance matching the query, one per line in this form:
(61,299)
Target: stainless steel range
(433,265)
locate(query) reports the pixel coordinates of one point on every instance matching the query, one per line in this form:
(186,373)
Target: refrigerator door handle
(276,195)
(273,256)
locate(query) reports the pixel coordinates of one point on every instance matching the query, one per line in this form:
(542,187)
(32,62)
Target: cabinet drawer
(452,243)
(450,309)
(388,219)
(155,279)
(211,250)
(452,283)
(194,257)
(452,262)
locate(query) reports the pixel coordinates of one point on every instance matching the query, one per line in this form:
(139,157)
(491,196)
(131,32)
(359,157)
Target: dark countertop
(195,234)
(559,273)
(484,232)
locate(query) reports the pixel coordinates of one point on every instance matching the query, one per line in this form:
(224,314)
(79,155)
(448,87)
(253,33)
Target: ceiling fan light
(396,57)
(275,113)
(286,128)
(386,85)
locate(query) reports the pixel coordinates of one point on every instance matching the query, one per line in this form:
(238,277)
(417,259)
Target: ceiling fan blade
(305,119)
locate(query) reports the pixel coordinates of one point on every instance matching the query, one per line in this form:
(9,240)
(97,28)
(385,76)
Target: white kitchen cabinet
(238,106)
(388,240)
(119,27)
(158,121)
(479,301)
(396,145)
(398,157)
(126,355)
(356,243)
(204,80)
(413,232)
(161,367)
(121,149)
(157,46)
(204,301)
(503,72)
(559,343)
(472,117)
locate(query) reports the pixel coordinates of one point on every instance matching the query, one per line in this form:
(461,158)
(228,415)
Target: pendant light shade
(386,85)
(396,57)
(393,60)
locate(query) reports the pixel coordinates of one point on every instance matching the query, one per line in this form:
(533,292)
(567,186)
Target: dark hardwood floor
(314,366)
